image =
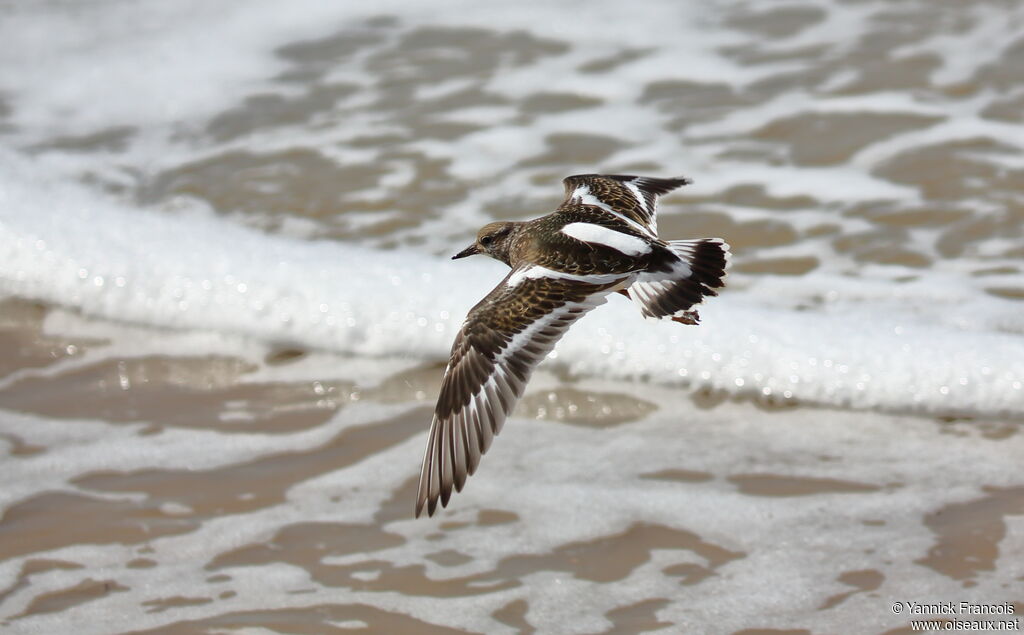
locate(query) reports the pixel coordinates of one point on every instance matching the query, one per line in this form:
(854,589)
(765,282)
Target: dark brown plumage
(601,239)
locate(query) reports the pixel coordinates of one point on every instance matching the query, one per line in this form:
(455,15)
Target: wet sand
(91,532)
(158,481)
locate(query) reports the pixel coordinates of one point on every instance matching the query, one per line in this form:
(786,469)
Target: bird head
(493,239)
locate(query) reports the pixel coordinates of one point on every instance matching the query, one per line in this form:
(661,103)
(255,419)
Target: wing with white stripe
(633,199)
(502,340)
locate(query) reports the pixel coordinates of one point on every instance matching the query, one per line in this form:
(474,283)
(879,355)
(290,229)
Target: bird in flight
(602,239)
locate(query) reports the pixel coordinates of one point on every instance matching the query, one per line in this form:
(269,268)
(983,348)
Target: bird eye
(486,240)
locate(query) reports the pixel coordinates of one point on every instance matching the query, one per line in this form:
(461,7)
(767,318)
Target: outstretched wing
(633,199)
(502,340)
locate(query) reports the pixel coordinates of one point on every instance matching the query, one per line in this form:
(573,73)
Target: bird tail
(697,270)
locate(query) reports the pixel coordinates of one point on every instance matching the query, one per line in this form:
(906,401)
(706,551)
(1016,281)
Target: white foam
(62,243)
(936,345)
(546,473)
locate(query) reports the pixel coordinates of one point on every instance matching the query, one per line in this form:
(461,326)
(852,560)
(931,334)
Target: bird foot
(688,317)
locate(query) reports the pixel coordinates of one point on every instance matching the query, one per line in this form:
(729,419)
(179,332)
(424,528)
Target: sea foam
(866,347)
(937,344)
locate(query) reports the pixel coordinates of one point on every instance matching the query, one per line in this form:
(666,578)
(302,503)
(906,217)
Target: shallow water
(227,306)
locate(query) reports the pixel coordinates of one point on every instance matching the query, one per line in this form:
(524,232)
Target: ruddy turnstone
(603,238)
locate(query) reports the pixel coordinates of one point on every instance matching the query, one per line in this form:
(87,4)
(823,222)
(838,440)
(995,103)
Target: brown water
(899,514)
(173,482)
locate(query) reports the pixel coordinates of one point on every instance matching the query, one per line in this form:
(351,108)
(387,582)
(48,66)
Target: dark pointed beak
(468,251)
